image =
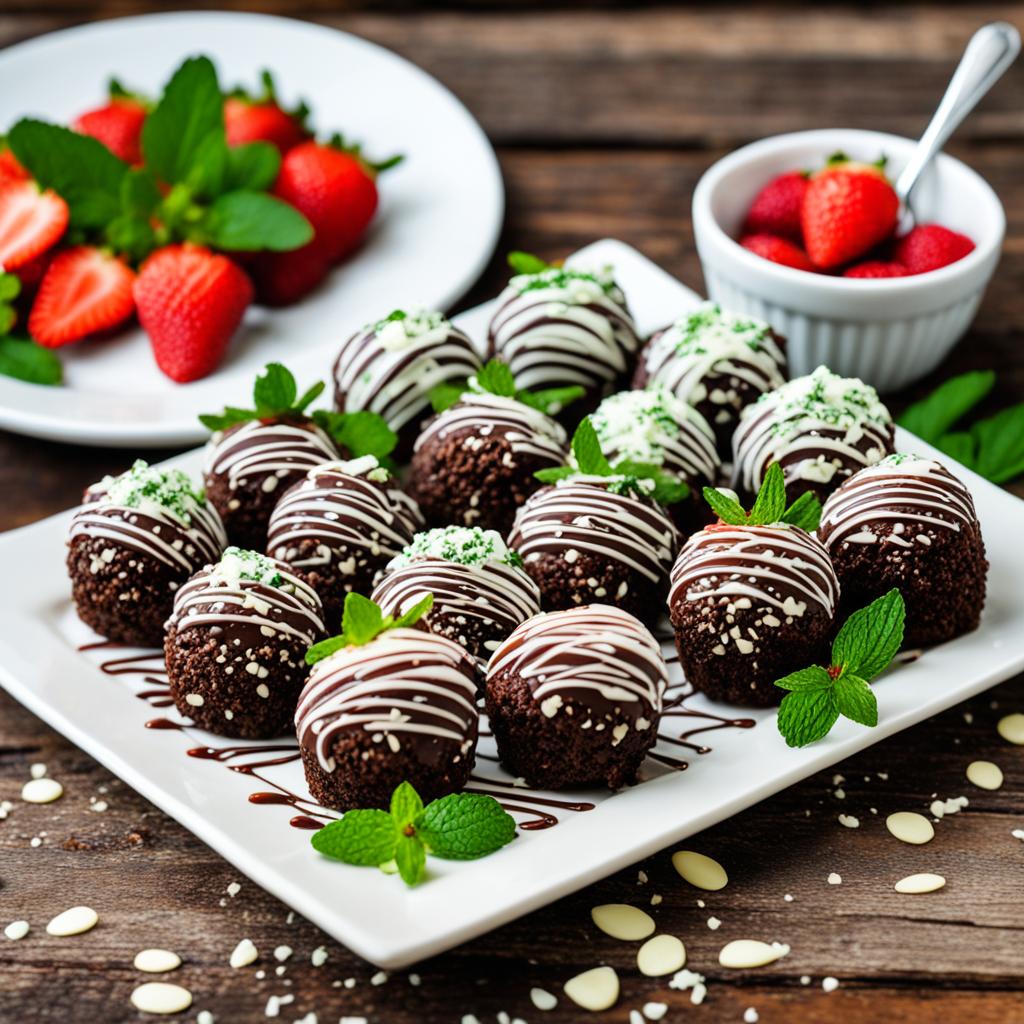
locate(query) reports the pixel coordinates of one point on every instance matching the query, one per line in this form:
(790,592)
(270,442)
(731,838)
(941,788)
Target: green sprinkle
(144,486)
(466,545)
(239,564)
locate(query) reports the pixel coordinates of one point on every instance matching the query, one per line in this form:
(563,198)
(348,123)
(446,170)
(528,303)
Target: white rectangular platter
(376,915)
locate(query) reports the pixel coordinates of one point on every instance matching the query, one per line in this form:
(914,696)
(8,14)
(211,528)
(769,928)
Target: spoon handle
(992,49)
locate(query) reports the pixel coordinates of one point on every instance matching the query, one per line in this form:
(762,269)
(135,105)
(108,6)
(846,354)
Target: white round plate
(438,222)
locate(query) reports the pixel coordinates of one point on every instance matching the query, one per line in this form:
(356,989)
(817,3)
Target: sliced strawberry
(10,169)
(262,118)
(30,222)
(84,292)
(876,269)
(776,208)
(118,125)
(190,302)
(778,250)
(930,246)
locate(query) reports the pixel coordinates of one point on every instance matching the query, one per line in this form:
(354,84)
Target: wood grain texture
(604,118)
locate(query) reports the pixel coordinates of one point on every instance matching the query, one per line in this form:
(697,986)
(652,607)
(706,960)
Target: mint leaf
(932,416)
(27,361)
(361,619)
(10,289)
(275,390)
(253,166)
(308,396)
(727,508)
(553,474)
(870,637)
(363,837)
(526,263)
(228,418)
(140,195)
(806,716)
(856,700)
(551,401)
(464,826)
(805,512)
(444,396)
(587,449)
(669,489)
(1000,441)
(770,503)
(496,378)
(959,445)
(406,805)
(812,678)
(325,648)
(207,177)
(413,615)
(358,433)
(249,221)
(411,858)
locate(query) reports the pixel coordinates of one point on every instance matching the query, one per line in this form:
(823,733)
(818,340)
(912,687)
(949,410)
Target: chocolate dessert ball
(749,605)
(249,465)
(654,427)
(593,540)
(718,362)
(820,428)
(909,523)
(574,698)
(474,463)
(136,539)
(390,367)
(236,644)
(563,326)
(401,708)
(339,526)
(481,592)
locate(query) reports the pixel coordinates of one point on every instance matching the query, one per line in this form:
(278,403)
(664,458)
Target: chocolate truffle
(716,361)
(401,708)
(474,463)
(249,465)
(820,428)
(563,326)
(593,539)
(574,697)
(390,367)
(909,523)
(481,592)
(339,526)
(135,540)
(653,427)
(749,605)
(236,644)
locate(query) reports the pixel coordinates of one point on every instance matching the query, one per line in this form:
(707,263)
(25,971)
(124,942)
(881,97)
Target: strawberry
(10,169)
(776,208)
(282,278)
(930,246)
(190,302)
(334,188)
(85,291)
(30,222)
(117,124)
(849,207)
(876,268)
(778,250)
(263,119)
(31,273)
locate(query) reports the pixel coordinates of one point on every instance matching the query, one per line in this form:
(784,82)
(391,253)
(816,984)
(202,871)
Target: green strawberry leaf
(464,826)
(363,837)
(27,361)
(247,221)
(526,263)
(770,503)
(805,512)
(361,619)
(587,450)
(275,390)
(413,614)
(727,508)
(806,716)
(552,474)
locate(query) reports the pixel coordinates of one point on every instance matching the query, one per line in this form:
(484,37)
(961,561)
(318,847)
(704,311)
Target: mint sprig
(863,649)
(769,505)
(19,357)
(359,433)
(526,262)
(461,826)
(275,396)
(496,379)
(362,621)
(640,478)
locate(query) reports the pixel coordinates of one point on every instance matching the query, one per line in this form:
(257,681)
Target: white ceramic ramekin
(888,332)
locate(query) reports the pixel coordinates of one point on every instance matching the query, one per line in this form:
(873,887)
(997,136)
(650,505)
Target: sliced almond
(910,827)
(985,775)
(156,961)
(41,791)
(924,882)
(596,989)
(73,922)
(661,955)
(621,921)
(161,997)
(700,870)
(741,953)
(1011,728)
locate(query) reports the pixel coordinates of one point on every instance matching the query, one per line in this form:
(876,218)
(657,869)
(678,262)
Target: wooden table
(604,119)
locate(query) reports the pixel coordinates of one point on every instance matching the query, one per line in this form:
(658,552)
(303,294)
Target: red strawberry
(778,250)
(263,119)
(931,246)
(336,190)
(776,208)
(30,222)
(85,291)
(10,169)
(876,268)
(282,278)
(31,273)
(849,208)
(190,303)
(117,124)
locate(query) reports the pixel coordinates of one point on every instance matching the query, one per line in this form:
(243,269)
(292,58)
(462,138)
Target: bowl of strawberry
(805,231)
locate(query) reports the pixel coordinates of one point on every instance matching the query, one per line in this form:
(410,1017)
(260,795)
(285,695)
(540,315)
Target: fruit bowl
(889,332)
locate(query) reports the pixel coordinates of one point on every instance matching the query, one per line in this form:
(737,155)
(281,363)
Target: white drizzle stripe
(396,383)
(780,566)
(406,681)
(918,493)
(587,652)
(580,516)
(258,449)
(553,336)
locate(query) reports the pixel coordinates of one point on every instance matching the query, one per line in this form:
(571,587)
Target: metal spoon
(992,49)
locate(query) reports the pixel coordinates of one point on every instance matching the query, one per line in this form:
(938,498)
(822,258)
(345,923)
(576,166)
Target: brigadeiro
(653,427)
(236,643)
(391,366)
(716,361)
(908,523)
(821,429)
(339,526)
(135,540)
(564,325)
(481,591)
(474,463)
(574,697)
(399,707)
(749,605)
